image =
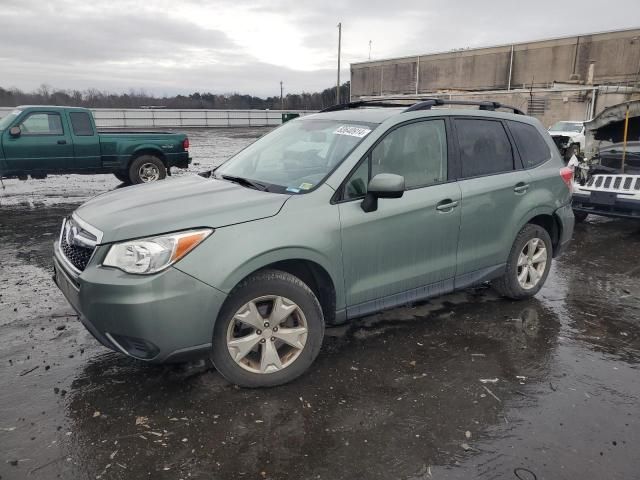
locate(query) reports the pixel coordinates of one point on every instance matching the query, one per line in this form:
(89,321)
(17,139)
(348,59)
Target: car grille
(620,182)
(78,256)
(77,244)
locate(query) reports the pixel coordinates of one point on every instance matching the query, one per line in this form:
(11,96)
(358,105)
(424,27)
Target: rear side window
(485,148)
(531,146)
(81,124)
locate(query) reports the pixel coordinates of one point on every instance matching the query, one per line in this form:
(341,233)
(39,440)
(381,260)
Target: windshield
(8,120)
(297,156)
(571,127)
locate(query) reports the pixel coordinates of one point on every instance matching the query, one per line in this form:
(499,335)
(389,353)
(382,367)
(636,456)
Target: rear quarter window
(81,124)
(531,146)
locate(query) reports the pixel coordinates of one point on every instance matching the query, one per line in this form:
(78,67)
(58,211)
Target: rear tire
(580,216)
(528,264)
(147,169)
(269,306)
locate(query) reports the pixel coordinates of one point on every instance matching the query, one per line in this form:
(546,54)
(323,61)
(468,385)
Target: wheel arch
(148,150)
(311,272)
(550,223)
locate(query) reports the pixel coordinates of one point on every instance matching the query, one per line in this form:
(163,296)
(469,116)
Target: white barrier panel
(171,118)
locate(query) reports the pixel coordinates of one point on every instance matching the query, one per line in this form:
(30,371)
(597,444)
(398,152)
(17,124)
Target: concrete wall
(615,56)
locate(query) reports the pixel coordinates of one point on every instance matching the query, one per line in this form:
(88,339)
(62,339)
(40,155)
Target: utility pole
(339,45)
(281,97)
(369,49)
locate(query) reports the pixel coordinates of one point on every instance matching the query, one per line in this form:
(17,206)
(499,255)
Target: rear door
(44,144)
(494,194)
(406,249)
(86,143)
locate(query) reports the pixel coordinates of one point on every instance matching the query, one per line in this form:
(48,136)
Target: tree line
(94,98)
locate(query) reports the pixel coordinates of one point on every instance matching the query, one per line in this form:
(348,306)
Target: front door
(43,145)
(406,249)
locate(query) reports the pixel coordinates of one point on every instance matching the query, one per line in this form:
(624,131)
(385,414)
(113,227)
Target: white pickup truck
(569,138)
(607,180)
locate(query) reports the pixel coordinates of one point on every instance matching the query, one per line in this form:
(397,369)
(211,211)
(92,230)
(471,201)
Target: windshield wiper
(245,182)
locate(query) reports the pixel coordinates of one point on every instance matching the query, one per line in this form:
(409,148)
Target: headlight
(151,255)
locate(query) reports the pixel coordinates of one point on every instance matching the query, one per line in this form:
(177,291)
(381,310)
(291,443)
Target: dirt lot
(465,386)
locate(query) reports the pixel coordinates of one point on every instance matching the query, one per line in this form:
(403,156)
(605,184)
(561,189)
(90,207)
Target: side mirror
(383,185)
(15,131)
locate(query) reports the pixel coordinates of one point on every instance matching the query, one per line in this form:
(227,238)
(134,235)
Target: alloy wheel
(532,262)
(149,172)
(267,334)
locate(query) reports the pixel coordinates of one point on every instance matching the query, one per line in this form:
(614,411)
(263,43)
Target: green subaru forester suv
(329,217)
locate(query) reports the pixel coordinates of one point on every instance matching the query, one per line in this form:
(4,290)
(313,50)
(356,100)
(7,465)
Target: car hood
(172,205)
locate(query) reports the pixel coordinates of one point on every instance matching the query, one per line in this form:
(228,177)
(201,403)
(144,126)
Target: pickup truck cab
(44,140)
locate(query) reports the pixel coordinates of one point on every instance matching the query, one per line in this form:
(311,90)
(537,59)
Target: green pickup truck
(43,140)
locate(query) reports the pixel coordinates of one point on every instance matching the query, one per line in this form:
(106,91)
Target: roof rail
(424,104)
(482,105)
(360,103)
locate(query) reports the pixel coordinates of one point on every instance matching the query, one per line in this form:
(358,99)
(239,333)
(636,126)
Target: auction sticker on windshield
(352,131)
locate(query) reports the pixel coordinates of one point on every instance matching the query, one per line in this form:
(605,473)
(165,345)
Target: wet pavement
(464,386)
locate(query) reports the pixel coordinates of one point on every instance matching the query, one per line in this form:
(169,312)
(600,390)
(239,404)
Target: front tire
(147,169)
(268,332)
(528,264)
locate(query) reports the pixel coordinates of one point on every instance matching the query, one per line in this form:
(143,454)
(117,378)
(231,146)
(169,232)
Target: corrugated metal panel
(169,118)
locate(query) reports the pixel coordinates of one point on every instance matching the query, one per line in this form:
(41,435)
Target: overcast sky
(248,46)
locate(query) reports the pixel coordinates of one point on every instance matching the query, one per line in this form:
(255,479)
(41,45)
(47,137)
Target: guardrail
(172,118)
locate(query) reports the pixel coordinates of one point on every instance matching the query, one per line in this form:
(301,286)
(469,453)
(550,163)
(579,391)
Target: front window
(296,157)
(417,152)
(569,127)
(42,124)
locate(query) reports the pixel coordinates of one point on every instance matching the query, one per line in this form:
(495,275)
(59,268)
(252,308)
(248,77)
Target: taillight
(567,177)
(185,144)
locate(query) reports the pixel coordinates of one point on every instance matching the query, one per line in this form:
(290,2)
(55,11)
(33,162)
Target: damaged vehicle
(569,138)
(607,181)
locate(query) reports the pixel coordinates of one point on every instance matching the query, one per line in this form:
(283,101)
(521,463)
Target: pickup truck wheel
(123,177)
(528,264)
(268,332)
(147,169)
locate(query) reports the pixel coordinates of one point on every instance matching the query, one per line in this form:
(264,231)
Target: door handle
(521,187)
(62,142)
(446,205)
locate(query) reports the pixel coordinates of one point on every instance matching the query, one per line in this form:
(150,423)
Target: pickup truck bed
(44,140)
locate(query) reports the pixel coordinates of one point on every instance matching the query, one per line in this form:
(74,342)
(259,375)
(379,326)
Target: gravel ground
(464,386)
